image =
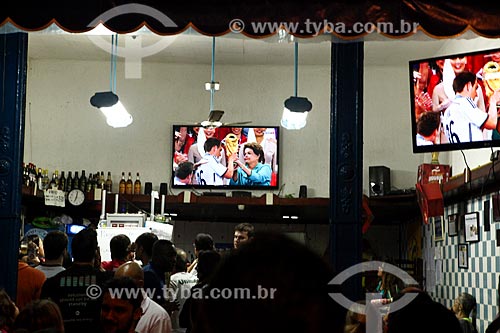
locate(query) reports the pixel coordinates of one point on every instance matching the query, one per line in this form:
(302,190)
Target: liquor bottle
(90,183)
(69,182)
(102,180)
(62,182)
(122,185)
(54,181)
(129,186)
(39,179)
(76,181)
(45,180)
(82,183)
(108,186)
(137,185)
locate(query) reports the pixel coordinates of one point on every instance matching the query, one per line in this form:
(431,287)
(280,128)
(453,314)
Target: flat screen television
(443,119)
(255,151)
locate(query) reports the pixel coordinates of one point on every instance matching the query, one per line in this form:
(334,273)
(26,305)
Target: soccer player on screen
(463,121)
(211,171)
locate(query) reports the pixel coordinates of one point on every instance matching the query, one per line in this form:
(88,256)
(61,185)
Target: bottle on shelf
(76,181)
(90,183)
(82,183)
(62,182)
(102,181)
(122,185)
(45,180)
(129,186)
(108,186)
(137,185)
(54,182)
(39,179)
(69,182)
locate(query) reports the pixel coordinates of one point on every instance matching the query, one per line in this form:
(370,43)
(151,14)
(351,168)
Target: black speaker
(303,191)
(380,180)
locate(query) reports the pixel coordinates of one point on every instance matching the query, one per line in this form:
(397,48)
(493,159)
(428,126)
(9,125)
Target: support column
(346,161)
(13,65)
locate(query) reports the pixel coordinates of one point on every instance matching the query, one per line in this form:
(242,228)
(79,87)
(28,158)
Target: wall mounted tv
(198,161)
(455,101)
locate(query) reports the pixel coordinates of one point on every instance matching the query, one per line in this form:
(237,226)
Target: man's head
(131,270)
(119,246)
(164,255)
(428,124)
(181,261)
(121,313)
(465,83)
(185,172)
(242,233)
(144,246)
(213,146)
(84,246)
(55,245)
(203,242)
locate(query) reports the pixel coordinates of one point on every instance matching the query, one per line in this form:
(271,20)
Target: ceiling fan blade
(215,115)
(237,123)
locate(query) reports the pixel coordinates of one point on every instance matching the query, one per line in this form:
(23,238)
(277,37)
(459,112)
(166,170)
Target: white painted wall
(63,131)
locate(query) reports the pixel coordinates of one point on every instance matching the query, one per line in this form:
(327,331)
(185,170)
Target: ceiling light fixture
(296,108)
(108,102)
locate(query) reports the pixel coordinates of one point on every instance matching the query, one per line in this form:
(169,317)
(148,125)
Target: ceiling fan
(215,116)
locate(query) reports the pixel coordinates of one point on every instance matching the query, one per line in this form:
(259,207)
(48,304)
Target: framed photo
(471,224)
(463,256)
(438,228)
(453,225)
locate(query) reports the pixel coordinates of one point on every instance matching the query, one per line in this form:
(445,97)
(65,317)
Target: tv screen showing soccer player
(455,101)
(225,157)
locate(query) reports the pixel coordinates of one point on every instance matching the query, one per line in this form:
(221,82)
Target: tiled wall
(481,276)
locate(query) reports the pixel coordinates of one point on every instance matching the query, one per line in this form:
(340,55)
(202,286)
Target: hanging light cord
(296,67)
(212,84)
(114,51)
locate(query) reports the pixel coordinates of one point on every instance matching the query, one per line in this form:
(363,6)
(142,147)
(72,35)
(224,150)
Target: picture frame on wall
(438,228)
(453,225)
(471,226)
(463,256)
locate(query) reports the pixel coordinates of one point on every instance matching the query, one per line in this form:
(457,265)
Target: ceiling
(193,48)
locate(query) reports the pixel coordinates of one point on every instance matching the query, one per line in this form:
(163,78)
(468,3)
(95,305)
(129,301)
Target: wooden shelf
(199,208)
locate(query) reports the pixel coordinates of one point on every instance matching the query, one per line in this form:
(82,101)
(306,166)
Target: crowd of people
(165,291)
(225,156)
(464,92)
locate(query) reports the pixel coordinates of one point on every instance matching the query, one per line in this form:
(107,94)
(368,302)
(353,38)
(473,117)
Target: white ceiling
(193,48)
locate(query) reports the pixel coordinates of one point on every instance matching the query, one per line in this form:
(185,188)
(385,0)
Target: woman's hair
(257,149)
(40,315)
(468,306)
(7,310)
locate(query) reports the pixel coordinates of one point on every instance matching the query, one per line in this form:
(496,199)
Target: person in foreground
(422,314)
(296,296)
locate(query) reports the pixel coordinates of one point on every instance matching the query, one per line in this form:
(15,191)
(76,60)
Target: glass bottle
(122,185)
(108,186)
(69,182)
(76,181)
(137,185)
(62,182)
(82,183)
(129,186)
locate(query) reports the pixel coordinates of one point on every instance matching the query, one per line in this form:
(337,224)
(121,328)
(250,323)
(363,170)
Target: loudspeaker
(148,187)
(303,191)
(163,188)
(380,180)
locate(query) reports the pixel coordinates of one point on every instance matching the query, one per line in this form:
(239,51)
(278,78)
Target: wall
(64,132)
(481,276)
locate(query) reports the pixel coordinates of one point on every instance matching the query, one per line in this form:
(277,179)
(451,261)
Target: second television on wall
(253,150)
(455,101)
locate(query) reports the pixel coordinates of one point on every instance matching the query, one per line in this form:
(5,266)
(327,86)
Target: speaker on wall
(380,180)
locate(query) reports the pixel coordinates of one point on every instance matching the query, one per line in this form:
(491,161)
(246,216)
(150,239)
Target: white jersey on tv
(463,120)
(211,172)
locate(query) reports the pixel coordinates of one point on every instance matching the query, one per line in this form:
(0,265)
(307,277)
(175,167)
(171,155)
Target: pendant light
(108,101)
(296,108)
